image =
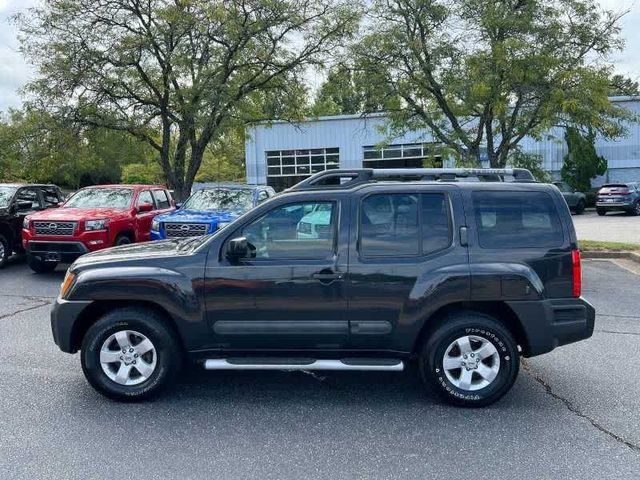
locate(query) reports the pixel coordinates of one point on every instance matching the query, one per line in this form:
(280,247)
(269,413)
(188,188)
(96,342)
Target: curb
(633,256)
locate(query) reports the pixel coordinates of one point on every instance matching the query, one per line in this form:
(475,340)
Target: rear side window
(517,220)
(162,200)
(51,196)
(404,224)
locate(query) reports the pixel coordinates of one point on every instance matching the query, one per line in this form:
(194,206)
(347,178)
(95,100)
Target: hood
(140,251)
(199,216)
(77,214)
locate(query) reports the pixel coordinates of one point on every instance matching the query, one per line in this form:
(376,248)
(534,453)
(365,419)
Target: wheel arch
(127,232)
(99,308)
(7,232)
(498,310)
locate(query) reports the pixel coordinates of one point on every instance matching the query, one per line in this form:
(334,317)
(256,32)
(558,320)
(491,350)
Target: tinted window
(517,220)
(50,196)
(6,194)
(404,224)
(220,199)
(295,231)
(162,199)
(145,197)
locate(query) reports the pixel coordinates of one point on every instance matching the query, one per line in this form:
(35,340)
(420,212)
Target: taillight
(577,273)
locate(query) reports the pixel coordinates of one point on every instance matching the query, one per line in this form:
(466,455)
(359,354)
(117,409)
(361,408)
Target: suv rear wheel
(5,251)
(471,360)
(39,266)
(130,354)
(601,211)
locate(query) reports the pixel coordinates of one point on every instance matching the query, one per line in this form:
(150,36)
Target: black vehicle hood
(139,251)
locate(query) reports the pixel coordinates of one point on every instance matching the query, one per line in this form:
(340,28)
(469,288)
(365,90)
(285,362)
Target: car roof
(230,186)
(18,185)
(132,186)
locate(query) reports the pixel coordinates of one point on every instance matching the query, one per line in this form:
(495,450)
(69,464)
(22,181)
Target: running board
(360,364)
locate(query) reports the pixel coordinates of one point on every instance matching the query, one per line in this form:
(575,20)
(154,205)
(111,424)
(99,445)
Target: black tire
(477,325)
(39,266)
(122,239)
(601,211)
(168,355)
(635,210)
(579,210)
(5,251)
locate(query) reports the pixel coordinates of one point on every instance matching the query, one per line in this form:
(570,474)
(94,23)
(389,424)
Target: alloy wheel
(471,362)
(128,357)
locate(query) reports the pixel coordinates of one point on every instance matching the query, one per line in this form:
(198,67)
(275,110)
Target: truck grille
(54,228)
(182,230)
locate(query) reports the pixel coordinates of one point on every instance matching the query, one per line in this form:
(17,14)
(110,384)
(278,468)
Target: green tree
(623,86)
(484,74)
(348,90)
(142,173)
(37,146)
(582,163)
(176,74)
(531,161)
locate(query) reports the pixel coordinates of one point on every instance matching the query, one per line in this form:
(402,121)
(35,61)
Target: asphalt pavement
(613,227)
(573,413)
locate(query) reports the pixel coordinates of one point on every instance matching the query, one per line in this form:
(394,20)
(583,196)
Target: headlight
(66,284)
(96,224)
(222,224)
(155,226)
(25,223)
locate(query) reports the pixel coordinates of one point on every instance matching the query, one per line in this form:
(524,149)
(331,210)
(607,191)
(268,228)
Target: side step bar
(360,364)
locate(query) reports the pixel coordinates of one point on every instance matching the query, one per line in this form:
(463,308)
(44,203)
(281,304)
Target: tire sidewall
(7,251)
(501,340)
(90,358)
(122,240)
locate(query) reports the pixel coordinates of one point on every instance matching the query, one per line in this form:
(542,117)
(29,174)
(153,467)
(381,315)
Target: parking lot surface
(574,413)
(613,227)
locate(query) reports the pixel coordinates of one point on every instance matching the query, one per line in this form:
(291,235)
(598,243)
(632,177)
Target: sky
(14,71)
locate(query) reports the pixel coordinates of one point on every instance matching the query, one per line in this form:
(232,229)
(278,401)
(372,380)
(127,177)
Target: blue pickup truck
(209,209)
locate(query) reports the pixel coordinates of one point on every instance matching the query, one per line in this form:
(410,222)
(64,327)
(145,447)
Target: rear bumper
(551,323)
(615,205)
(64,315)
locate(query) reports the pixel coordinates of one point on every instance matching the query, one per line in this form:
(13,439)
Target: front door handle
(327,276)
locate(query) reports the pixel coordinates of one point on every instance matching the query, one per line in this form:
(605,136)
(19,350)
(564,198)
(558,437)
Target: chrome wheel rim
(2,252)
(128,357)
(471,363)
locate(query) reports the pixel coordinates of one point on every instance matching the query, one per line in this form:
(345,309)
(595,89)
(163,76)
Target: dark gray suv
(460,277)
(618,197)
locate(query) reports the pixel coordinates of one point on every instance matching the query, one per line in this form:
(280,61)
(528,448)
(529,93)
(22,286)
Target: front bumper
(61,249)
(551,323)
(64,315)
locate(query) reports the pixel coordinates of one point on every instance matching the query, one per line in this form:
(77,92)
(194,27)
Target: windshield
(220,199)
(6,194)
(101,198)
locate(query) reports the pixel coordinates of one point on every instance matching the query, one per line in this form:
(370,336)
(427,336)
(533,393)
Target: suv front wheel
(130,354)
(471,360)
(38,266)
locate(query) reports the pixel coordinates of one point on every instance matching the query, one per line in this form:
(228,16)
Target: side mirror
(179,205)
(238,248)
(23,205)
(145,207)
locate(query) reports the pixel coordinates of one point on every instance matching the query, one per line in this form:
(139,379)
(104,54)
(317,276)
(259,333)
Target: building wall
(350,133)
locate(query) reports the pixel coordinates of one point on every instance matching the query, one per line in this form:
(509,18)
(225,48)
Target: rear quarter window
(517,220)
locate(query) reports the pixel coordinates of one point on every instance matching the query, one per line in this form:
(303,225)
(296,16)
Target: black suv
(16,202)
(462,277)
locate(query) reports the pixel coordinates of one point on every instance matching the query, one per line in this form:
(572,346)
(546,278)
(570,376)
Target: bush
(142,173)
(530,161)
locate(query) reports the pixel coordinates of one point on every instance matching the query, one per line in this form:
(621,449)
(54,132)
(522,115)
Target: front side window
(517,220)
(6,194)
(162,199)
(101,198)
(235,199)
(51,197)
(397,224)
(302,231)
(145,197)
(29,195)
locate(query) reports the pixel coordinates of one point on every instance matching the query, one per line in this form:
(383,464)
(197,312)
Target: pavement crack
(22,310)
(576,411)
(617,333)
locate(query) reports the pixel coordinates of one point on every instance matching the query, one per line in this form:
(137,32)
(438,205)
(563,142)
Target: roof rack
(341,179)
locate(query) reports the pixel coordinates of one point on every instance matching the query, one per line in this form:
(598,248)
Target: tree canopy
(481,75)
(177,74)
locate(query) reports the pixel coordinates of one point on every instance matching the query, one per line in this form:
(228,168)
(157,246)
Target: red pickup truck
(92,219)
